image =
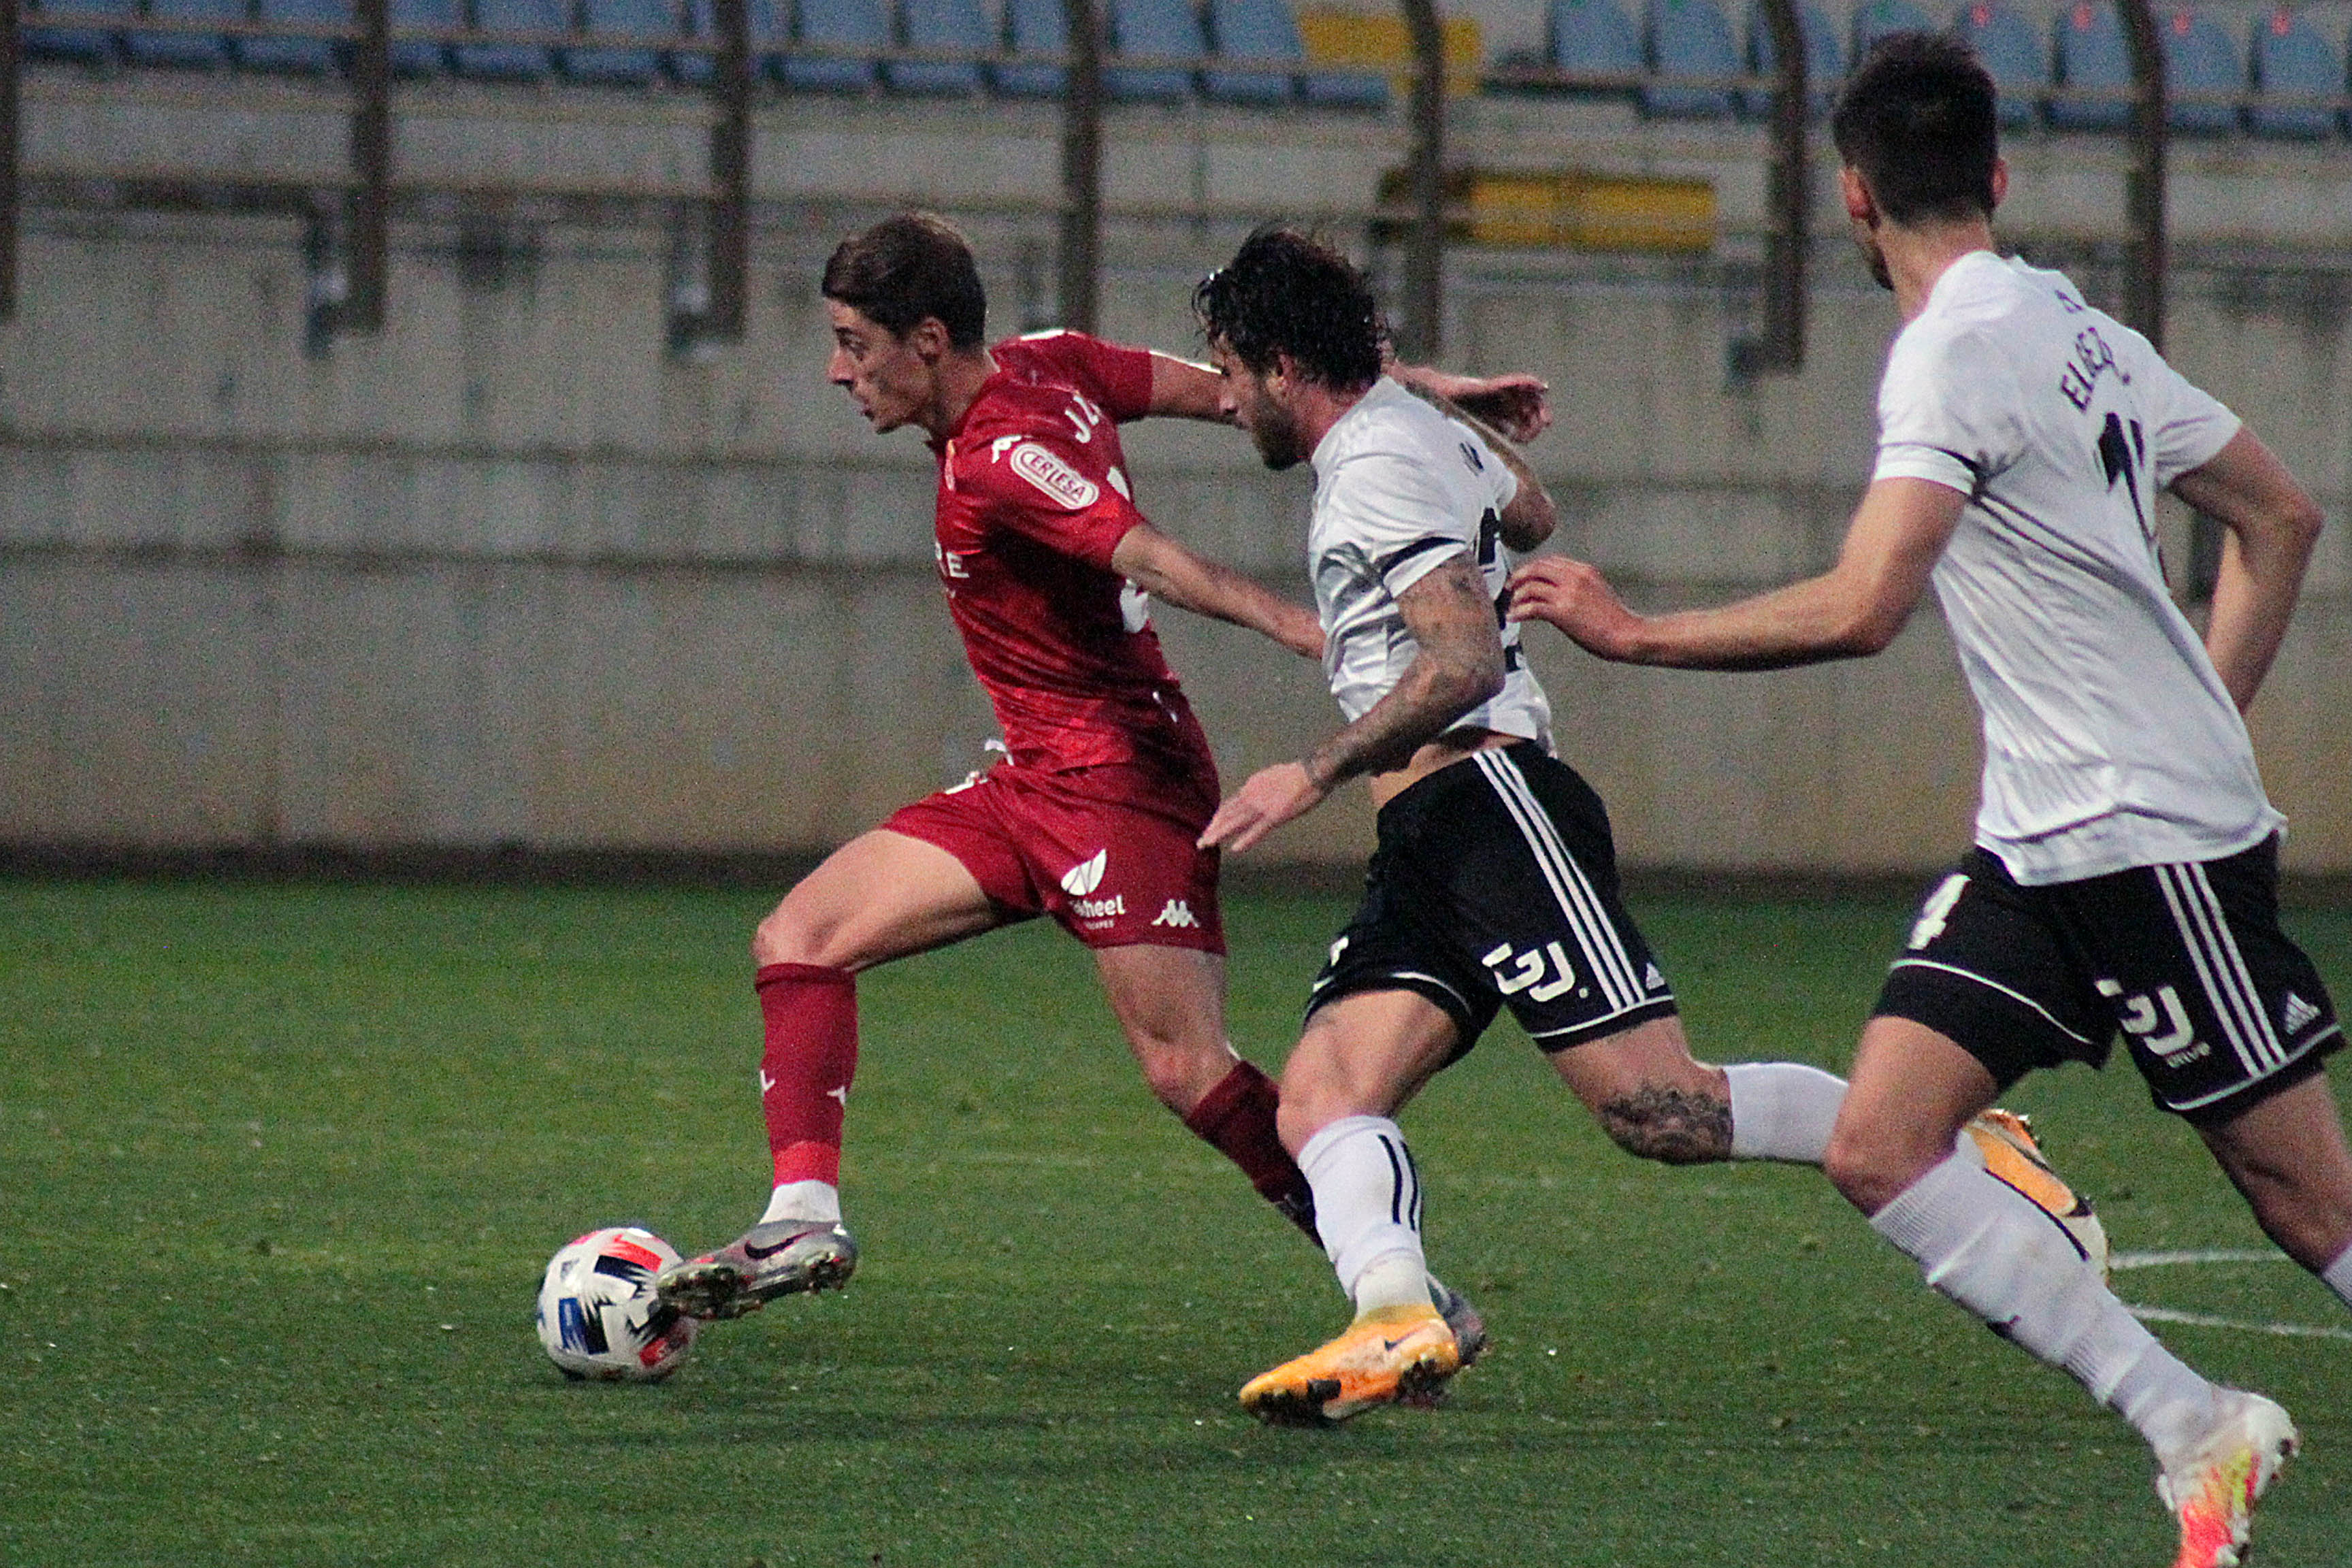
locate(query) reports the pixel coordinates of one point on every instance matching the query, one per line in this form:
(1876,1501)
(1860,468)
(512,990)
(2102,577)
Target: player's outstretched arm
(1459,665)
(1173,574)
(1853,610)
(2272,526)
(1183,390)
(1515,402)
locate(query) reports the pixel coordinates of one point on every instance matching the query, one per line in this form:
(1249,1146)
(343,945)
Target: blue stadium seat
(2091,53)
(839,24)
(698,69)
(1032,28)
(2290,56)
(1879,17)
(1824,62)
(203,50)
(940,24)
(622,66)
(1592,36)
(512,62)
(307,57)
(2011,52)
(417,56)
(88,45)
(1152,27)
(1689,37)
(1251,30)
(1345,90)
(2199,57)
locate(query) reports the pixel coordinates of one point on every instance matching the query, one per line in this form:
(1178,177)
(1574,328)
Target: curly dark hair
(907,268)
(1289,293)
(1917,118)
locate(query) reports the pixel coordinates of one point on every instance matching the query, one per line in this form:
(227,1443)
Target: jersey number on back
(1490,552)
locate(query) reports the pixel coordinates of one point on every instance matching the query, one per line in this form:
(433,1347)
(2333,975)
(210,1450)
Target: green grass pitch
(282,1165)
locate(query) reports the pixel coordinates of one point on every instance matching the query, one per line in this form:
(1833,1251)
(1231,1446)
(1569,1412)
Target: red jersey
(1033,496)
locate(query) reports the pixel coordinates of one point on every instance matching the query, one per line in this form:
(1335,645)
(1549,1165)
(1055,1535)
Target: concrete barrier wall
(511,574)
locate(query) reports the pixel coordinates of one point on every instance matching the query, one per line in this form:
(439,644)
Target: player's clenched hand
(1271,797)
(1518,404)
(1575,597)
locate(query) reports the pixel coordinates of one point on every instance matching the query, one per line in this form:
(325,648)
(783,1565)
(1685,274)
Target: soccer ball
(2013,1158)
(598,1315)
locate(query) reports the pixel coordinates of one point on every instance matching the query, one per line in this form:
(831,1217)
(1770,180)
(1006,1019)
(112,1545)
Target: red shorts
(1108,852)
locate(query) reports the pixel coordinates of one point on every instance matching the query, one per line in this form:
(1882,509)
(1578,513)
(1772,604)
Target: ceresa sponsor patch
(1069,486)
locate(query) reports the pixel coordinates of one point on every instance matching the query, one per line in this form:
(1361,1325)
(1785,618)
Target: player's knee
(1675,1126)
(1864,1169)
(783,937)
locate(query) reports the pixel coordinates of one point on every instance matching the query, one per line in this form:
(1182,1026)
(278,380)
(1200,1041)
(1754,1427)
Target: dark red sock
(1236,1118)
(810,1013)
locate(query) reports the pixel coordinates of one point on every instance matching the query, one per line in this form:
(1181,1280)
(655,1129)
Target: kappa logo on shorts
(1085,876)
(1064,483)
(1177,916)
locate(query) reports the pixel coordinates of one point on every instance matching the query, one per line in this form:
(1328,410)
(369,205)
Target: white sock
(1783,1111)
(1368,1209)
(804,1200)
(2337,1277)
(1999,1254)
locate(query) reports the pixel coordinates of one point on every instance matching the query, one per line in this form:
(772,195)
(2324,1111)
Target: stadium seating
(1151,27)
(1689,37)
(307,57)
(200,50)
(1824,62)
(2012,52)
(88,45)
(2091,53)
(1592,36)
(836,24)
(1251,30)
(940,24)
(1034,27)
(512,62)
(2199,57)
(418,57)
(1880,17)
(622,66)
(696,69)
(2290,56)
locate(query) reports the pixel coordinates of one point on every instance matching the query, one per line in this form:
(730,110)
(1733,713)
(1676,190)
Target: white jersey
(2109,739)
(1399,490)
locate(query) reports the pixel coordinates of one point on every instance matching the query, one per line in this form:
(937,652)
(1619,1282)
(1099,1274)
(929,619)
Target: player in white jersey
(1494,883)
(2124,875)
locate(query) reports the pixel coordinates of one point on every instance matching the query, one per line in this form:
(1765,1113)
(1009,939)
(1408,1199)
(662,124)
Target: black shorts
(2218,1006)
(1495,884)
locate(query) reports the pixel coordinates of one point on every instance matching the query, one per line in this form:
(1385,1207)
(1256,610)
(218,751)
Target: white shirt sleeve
(1946,412)
(2190,424)
(1397,511)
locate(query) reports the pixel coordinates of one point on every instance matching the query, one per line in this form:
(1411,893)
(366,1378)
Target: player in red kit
(1093,816)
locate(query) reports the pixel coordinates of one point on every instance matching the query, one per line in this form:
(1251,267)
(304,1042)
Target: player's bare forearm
(1459,665)
(1173,574)
(1183,390)
(1518,404)
(2272,526)
(1851,611)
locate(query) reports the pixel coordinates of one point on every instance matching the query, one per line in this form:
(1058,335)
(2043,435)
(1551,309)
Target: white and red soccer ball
(598,1315)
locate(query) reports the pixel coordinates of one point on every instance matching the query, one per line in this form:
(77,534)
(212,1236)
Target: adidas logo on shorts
(2297,1015)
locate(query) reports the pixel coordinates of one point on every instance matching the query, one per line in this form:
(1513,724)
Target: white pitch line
(2206,1321)
(2123,1261)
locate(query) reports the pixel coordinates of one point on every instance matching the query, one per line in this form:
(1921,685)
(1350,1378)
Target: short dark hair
(1917,118)
(907,268)
(1287,293)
